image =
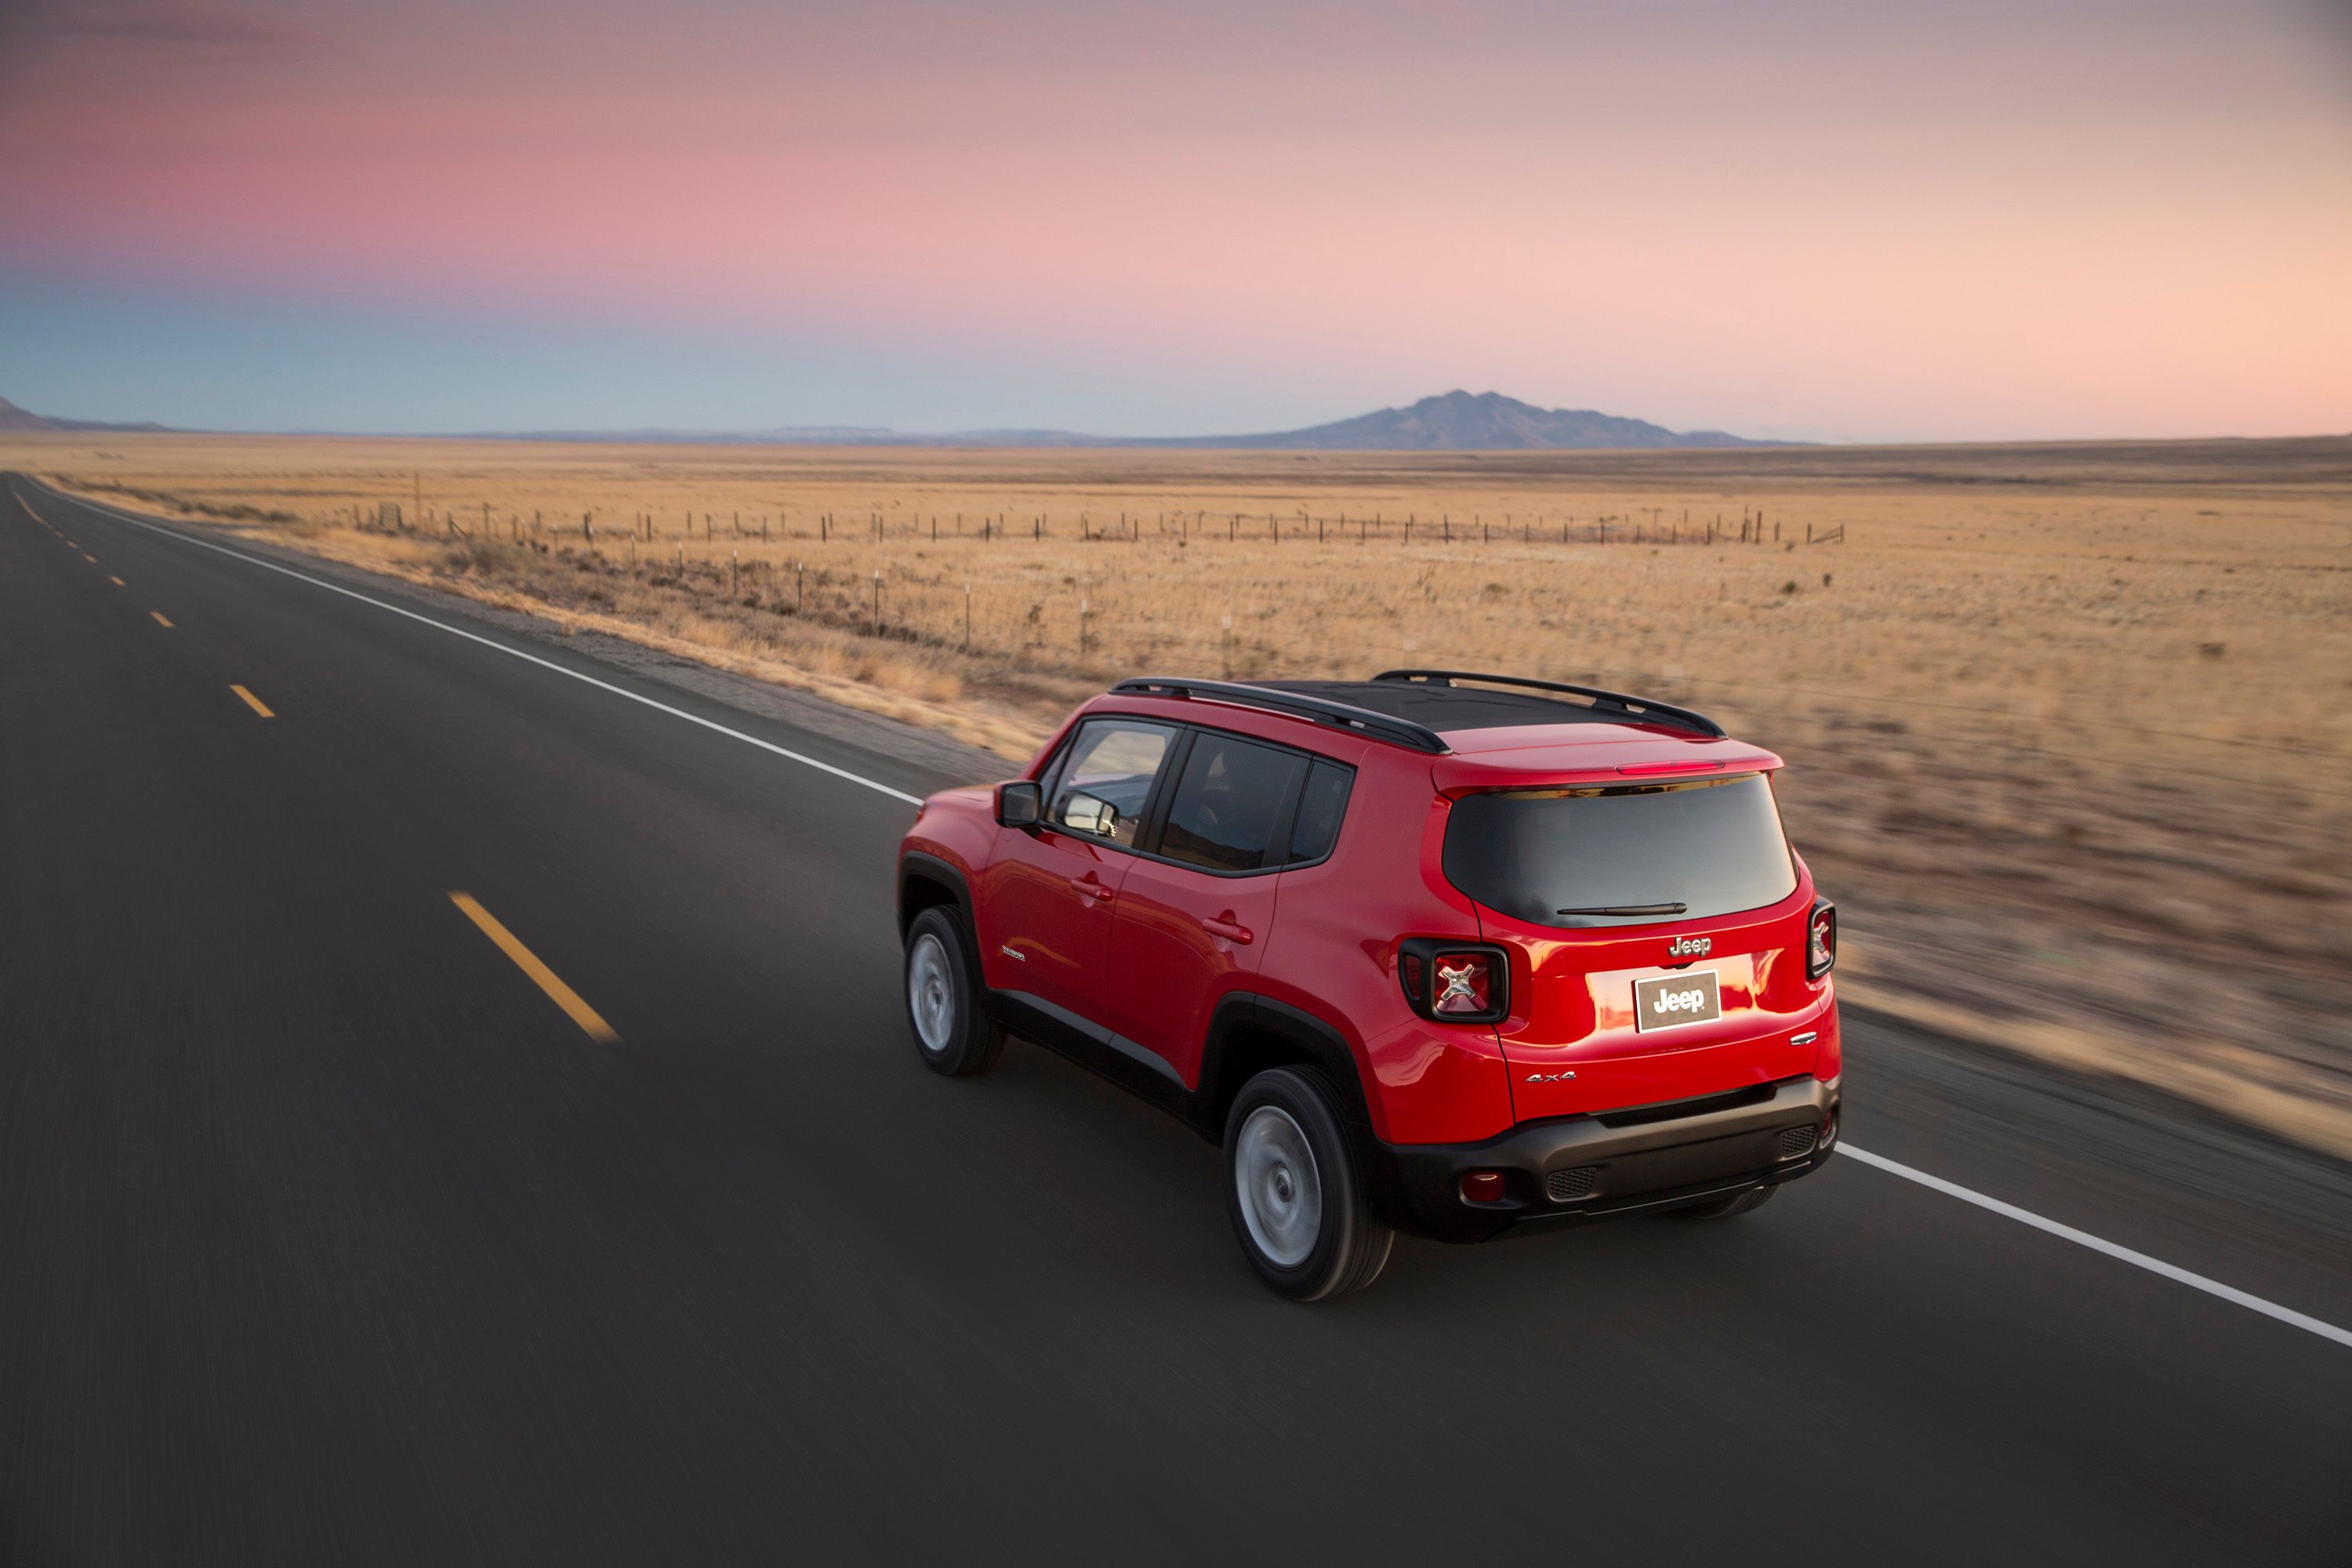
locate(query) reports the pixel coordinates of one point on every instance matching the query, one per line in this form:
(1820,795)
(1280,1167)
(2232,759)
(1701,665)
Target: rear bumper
(1570,1169)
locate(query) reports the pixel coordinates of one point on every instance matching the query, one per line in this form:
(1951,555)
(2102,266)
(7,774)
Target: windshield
(1622,855)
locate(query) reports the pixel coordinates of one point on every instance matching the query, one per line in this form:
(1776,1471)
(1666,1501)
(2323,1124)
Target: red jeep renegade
(1450,954)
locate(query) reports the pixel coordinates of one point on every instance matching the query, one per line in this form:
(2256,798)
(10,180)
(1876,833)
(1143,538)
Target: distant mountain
(13,418)
(1462,422)
(1455,422)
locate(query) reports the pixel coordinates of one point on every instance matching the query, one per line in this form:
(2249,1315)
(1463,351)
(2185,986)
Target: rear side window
(1106,779)
(1320,811)
(1622,856)
(1229,803)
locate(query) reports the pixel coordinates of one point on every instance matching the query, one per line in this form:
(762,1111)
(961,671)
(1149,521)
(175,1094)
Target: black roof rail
(1632,707)
(1297,705)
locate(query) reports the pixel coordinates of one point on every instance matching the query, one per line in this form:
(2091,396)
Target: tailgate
(1636,1015)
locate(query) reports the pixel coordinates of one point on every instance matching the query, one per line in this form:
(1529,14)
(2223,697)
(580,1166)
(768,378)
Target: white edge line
(2229,1293)
(492,643)
(2084,1238)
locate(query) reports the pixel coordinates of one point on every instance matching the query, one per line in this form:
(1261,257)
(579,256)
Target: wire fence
(1073,606)
(1641,526)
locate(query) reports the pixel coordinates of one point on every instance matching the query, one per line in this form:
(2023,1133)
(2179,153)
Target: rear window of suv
(1622,855)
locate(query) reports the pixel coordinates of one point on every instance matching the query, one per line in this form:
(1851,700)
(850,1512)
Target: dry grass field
(2070,728)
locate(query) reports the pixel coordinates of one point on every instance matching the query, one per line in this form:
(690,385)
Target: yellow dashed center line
(562,995)
(86,556)
(116,581)
(160,619)
(254,702)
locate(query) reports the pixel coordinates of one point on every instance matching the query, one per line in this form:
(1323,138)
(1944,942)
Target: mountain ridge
(1461,421)
(14,419)
(1455,421)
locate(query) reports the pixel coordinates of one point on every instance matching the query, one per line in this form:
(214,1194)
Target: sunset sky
(1834,219)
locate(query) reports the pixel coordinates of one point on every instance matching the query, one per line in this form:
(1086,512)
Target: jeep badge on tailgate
(1673,999)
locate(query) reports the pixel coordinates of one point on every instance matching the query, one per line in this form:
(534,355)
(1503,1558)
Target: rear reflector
(1482,1187)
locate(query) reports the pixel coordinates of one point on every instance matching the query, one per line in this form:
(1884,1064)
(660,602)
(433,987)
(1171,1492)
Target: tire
(1727,1209)
(1293,1189)
(942,989)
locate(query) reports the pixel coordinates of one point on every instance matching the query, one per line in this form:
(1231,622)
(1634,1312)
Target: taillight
(1465,985)
(1820,940)
(1454,983)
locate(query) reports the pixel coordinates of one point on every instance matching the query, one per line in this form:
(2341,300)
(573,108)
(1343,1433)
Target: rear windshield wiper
(1628,910)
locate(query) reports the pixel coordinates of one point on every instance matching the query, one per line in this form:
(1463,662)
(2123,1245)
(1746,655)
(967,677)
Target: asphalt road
(327,1237)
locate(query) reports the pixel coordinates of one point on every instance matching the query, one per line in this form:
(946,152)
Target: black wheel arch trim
(918,865)
(1240,1011)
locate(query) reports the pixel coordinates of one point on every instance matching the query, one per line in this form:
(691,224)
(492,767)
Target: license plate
(1675,999)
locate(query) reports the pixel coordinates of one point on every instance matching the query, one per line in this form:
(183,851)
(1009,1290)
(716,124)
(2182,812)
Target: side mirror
(1019,805)
(1087,815)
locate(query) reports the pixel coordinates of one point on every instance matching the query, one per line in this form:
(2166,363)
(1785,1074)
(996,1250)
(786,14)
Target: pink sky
(1835,220)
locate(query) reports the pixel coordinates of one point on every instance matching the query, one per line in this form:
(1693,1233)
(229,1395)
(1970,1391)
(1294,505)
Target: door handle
(1091,885)
(1232,930)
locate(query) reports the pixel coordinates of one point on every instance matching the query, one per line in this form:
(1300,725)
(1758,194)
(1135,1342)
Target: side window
(1228,803)
(1105,778)
(1320,811)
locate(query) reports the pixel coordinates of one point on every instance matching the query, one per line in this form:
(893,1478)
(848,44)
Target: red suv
(1449,954)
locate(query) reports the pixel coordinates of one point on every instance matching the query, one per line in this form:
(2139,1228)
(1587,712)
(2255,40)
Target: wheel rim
(931,994)
(1281,1191)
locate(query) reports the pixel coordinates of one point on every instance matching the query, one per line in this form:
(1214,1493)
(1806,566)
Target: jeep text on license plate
(1672,999)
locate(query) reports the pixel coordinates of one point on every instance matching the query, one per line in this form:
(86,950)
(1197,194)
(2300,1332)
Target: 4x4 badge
(1550,1076)
(1690,947)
